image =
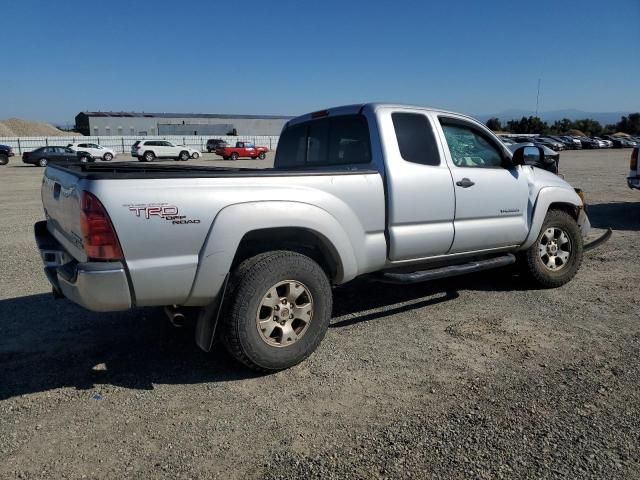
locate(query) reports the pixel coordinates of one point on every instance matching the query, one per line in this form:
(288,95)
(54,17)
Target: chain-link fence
(123,144)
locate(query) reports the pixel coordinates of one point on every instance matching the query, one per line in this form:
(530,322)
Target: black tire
(534,265)
(262,156)
(107,157)
(43,162)
(249,283)
(225,158)
(184,156)
(234,156)
(149,156)
(83,159)
(195,155)
(4,159)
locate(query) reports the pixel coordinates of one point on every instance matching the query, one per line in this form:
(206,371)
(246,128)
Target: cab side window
(469,147)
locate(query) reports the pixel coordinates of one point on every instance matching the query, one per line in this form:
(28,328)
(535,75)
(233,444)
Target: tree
(562,126)
(589,126)
(630,124)
(528,125)
(494,124)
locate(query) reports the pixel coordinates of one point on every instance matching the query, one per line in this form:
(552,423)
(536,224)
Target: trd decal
(147,212)
(170,213)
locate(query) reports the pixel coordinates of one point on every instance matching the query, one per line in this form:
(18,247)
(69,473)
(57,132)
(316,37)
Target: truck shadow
(47,344)
(615,215)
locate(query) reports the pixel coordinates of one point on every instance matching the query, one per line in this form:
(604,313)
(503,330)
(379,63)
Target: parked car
(588,142)
(5,152)
(571,142)
(619,142)
(550,161)
(149,150)
(633,180)
(242,150)
(43,156)
(214,143)
(95,150)
(254,253)
(604,143)
(552,143)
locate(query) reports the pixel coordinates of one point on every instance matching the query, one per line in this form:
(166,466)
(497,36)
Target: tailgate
(61,195)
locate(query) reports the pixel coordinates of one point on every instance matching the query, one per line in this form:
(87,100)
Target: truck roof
(358,107)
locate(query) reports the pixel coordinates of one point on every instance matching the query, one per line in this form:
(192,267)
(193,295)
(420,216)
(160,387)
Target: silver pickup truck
(402,194)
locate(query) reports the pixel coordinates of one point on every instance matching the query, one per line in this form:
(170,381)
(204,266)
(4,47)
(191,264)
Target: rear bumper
(96,286)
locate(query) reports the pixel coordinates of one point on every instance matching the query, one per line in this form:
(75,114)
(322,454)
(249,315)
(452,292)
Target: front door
(491,199)
(420,194)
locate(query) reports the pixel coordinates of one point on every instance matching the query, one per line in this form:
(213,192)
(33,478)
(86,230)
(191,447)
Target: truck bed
(128,170)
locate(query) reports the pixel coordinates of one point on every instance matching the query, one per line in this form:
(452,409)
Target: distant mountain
(553,115)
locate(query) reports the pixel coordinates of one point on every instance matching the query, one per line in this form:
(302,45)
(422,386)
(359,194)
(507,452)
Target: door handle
(465,183)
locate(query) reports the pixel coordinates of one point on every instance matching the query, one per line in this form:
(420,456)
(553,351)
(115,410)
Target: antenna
(538,96)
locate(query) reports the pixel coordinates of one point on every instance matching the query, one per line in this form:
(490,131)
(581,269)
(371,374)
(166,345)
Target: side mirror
(528,155)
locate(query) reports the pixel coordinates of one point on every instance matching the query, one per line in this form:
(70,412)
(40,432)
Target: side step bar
(451,271)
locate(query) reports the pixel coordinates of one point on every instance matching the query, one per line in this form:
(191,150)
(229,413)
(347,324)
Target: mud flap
(598,241)
(208,320)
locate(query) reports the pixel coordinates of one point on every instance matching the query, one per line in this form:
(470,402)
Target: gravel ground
(474,377)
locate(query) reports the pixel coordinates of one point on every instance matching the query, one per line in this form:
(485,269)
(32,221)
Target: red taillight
(633,164)
(98,235)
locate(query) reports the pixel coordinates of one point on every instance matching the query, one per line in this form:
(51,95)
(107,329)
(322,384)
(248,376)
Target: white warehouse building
(149,124)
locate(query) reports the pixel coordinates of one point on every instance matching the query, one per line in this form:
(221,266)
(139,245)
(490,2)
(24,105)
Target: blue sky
(290,57)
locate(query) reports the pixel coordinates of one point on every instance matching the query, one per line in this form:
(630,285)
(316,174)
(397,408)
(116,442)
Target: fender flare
(232,223)
(546,197)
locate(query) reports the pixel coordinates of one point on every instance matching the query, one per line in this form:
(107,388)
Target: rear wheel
(4,159)
(149,156)
(184,156)
(84,159)
(43,162)
(195,155)
(234,156)
(279,310)
(556,256)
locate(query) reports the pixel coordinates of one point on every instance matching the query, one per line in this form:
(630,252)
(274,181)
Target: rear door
(491,200)
(420,195)
(69,155)
(56,155)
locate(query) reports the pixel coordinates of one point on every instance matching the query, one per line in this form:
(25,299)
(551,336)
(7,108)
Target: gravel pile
(15,127)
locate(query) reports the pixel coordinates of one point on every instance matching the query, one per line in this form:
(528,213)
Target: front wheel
(43,162)
(4,159)
(279,310)
(262,156)
(556,255)
(107,157)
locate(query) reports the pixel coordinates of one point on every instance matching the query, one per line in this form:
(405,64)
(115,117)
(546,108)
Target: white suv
(148,150)
(95,150)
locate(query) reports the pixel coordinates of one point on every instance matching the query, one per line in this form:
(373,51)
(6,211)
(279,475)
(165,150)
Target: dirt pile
(15,127)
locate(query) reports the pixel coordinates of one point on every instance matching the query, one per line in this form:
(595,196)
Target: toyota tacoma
(400,194)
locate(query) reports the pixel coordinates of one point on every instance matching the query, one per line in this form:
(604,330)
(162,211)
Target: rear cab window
(329,141)
(416,140)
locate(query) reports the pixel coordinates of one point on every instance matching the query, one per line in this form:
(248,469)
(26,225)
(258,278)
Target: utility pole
(538,97)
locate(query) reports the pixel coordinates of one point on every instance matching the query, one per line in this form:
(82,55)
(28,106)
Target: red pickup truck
(242,149)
